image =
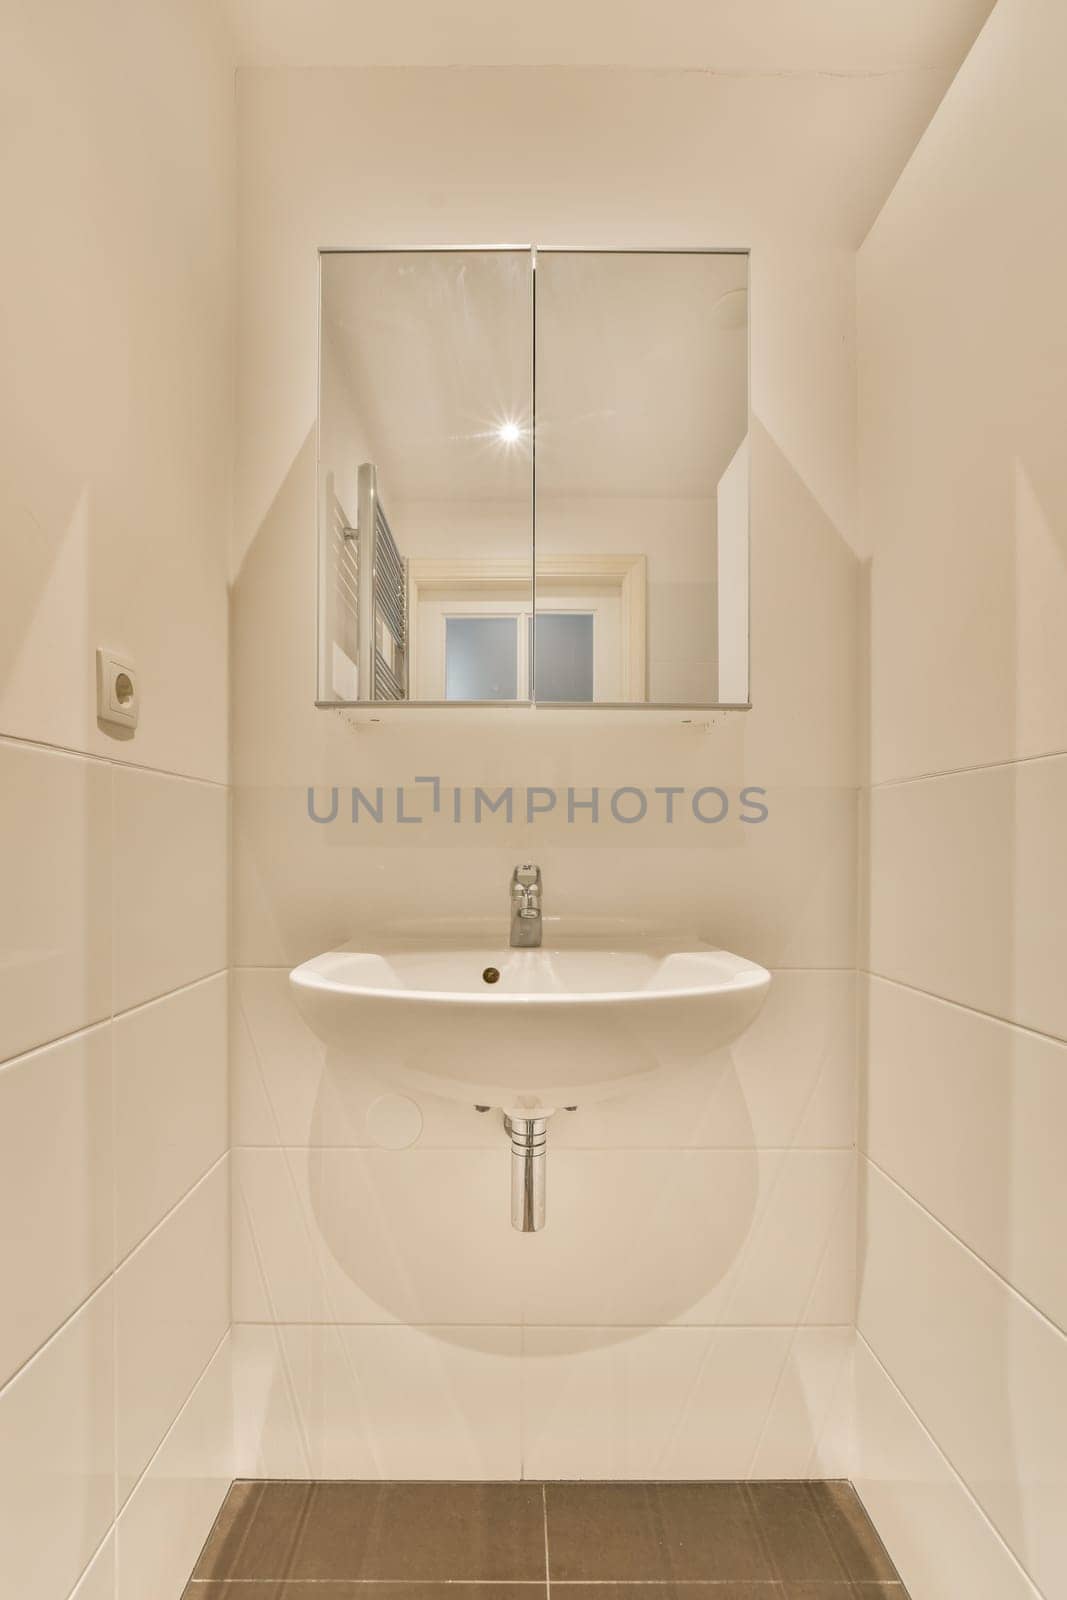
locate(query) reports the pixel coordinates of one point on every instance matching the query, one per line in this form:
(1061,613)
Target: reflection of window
(471,633)
(485,658)
(563,658)
(481,658)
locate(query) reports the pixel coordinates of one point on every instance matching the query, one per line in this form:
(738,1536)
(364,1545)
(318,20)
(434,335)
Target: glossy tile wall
(115,1414)
(689,1311)
(962,1363)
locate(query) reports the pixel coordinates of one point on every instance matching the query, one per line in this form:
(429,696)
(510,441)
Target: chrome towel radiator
(382,627)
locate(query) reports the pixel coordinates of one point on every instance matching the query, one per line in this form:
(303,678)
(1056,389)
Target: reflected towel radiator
(382,591)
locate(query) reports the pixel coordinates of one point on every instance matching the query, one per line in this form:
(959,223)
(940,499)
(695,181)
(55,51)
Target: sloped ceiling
(728,36)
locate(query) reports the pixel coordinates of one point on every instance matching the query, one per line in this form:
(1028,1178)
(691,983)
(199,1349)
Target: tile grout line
(109,1279)
(109,1534)
(949,1463)
(824,1524)
(563,1149)
(210,1532)
(111,1017)
(548,1565)
(980,1260)
(962,772)
(756,1520)
(558,1327)
(960,1005)
(98,758)
(143,1474)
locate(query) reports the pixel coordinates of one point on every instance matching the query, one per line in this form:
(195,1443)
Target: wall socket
(117,699)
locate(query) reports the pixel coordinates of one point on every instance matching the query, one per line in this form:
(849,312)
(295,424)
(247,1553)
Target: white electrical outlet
(117,699)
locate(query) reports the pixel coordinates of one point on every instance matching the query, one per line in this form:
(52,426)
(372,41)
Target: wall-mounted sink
(529,1030)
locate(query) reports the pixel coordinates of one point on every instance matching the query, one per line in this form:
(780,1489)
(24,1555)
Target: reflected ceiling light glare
(509,433)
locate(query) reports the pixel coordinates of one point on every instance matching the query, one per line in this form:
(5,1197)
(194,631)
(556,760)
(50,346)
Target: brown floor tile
(819,1591)
(765,1589)
(843,1591)
(200,1589)
(421,1532)
(255,1531)
(299,1590)
(634,1532)
(798,1543)
(862,1553)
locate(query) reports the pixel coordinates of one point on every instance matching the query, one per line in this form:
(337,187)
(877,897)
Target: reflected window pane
(563,661)
(481,658)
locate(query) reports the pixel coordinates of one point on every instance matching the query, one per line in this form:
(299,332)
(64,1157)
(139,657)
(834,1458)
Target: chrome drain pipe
(529,1138)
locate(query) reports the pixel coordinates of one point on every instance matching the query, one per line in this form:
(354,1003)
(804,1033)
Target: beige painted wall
(115,446)
(962,1374)
(380,1297)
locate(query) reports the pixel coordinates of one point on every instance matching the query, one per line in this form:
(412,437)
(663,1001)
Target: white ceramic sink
(558,1026)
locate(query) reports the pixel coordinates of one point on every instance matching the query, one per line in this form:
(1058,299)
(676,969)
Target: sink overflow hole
(491,974)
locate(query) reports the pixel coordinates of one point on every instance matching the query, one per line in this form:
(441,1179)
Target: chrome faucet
(526,908)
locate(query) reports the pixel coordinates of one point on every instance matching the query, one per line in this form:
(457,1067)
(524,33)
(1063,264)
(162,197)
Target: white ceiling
(642,373)
(435,352)
(729,36)
(642,370)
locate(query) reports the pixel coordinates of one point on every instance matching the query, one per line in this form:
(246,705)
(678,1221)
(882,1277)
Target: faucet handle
(526,890)
(526,906)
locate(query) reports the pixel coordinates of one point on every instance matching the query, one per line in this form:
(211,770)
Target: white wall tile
(115,421)
(57,1233)
(808,1432)
(985,1372)
(170,848)
(55,910)
(961,475)
(967,1115)
(941,1542)
(963,490)
(285,1091)
(171,1308)
(968,894)
(677,1402)
(115,453)
(387,1402)
(163,1525)
(781,892)
(789,1080)
(171,1102)
(695,1236)
(373,1236)
(99,1578)
(57,1456)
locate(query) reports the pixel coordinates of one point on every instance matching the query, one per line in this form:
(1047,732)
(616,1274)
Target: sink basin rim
(735,973)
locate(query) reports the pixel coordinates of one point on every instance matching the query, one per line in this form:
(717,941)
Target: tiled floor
(513,1541)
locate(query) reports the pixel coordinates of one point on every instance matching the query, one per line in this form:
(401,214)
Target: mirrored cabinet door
(642,473)
(425,475)
(450,382)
